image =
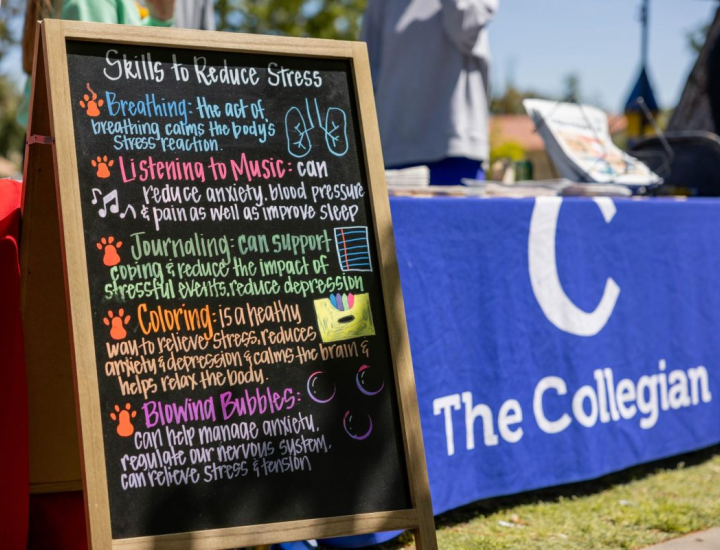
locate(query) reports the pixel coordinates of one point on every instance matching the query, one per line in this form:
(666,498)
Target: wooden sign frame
(56,292)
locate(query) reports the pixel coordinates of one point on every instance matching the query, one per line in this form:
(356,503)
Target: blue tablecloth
(557,340)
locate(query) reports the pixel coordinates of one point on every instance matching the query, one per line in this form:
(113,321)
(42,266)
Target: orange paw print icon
(124,418)
(90,103)
(117,324)
(103,166)
(111,256)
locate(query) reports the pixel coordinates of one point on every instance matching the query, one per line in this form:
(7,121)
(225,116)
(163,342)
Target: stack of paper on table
(474,188)
(415,176)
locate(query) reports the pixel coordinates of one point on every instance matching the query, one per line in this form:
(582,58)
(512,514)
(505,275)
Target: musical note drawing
(130,207)
(109,199)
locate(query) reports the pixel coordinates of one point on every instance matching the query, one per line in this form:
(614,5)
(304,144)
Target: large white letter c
(544,278)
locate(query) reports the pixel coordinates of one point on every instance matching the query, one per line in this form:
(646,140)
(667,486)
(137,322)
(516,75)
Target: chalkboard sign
(235,319)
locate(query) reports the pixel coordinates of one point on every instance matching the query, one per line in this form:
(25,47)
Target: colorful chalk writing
(240,336)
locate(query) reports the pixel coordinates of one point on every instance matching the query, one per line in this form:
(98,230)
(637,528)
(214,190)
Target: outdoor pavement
(703,540)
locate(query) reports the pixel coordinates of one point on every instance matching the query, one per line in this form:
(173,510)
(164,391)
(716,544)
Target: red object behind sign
(14,465)
(55,521)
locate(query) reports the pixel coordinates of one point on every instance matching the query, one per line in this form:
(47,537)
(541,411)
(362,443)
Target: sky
(535,44)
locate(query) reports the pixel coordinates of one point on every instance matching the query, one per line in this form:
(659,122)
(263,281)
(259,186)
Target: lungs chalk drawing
(301,122)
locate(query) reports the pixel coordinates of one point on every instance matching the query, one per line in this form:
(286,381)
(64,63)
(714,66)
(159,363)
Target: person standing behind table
(430,64)
(195,14)
(121,12)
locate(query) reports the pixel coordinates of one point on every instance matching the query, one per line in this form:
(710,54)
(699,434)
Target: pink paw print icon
(117,324)
(124,418)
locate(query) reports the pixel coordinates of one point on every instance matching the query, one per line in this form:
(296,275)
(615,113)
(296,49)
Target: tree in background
(12,135)
(510,102)
(339,19)
(571,90)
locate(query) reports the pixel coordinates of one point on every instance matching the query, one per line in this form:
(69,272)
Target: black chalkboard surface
(239,359)
(240,336)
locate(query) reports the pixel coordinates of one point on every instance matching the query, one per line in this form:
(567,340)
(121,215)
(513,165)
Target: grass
(633,509)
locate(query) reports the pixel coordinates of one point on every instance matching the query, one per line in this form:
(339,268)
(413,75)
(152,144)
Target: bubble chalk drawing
(368,382)
(320,387)
(357,426)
